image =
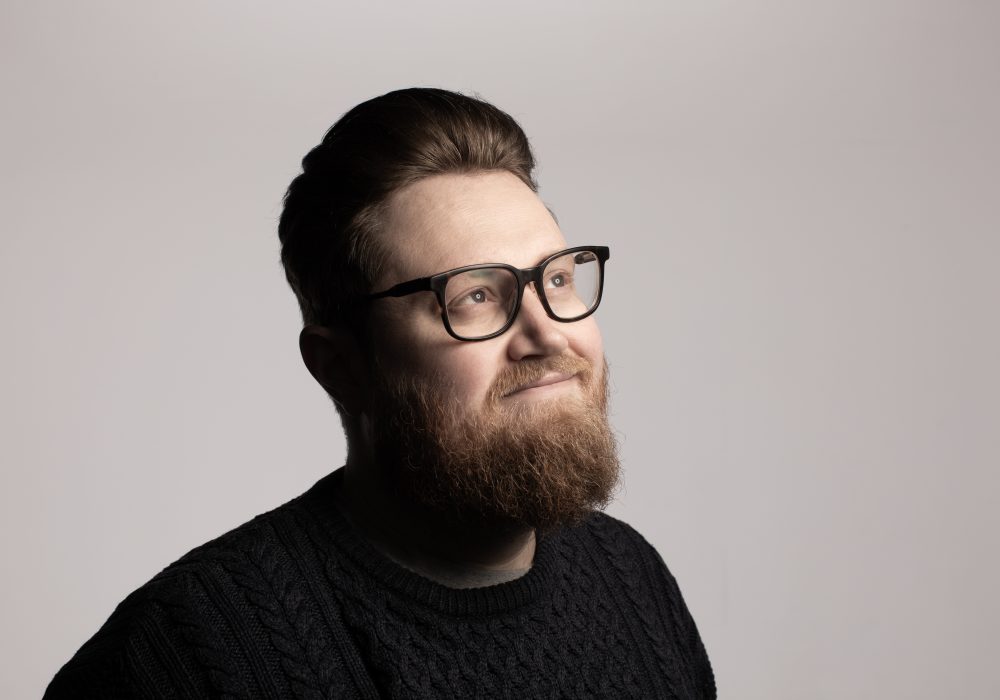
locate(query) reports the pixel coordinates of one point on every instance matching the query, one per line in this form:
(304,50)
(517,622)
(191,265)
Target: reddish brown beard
(542,465)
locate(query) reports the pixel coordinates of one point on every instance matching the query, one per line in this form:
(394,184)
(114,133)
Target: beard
(540,464)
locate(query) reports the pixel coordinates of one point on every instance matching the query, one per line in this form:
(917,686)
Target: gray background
(802,204)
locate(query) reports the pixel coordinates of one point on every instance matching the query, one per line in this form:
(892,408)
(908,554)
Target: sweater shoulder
(617,536)
(110,663)
(171,626)
(241,558)
(636,560)
(262,530)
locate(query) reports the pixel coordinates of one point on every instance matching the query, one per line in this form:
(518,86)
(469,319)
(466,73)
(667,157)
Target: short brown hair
(332,210)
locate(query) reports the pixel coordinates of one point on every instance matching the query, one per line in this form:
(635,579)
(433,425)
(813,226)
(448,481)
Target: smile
(547,383)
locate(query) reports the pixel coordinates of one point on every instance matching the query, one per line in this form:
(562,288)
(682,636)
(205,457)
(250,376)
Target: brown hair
(332,210)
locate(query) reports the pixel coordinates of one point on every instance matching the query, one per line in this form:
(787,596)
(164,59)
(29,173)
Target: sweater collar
(383,571)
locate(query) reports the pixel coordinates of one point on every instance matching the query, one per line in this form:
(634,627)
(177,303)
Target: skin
(436,224)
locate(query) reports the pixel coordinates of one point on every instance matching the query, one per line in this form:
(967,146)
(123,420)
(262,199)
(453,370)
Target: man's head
(512,428)
(335,209)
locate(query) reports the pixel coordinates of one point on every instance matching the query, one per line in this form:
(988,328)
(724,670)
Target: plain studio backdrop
(802,202)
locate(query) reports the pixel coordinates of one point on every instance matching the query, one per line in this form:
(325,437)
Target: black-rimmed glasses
(479,302)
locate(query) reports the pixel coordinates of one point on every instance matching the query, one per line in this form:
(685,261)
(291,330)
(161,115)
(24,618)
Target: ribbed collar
(487,600)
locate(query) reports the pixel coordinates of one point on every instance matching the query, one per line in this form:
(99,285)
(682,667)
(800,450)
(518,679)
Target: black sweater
(295,603)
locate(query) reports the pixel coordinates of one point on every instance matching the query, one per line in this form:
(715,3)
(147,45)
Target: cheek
(411,341)
(471,368)
(586,341)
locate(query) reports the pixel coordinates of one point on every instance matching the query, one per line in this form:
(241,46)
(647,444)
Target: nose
(534,334)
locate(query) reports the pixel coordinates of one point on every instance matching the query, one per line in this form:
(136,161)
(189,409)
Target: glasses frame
(525,276)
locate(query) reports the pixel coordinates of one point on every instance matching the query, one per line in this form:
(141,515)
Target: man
(460,552)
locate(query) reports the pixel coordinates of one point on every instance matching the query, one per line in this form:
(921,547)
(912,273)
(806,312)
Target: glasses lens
(480,302)
(572,284)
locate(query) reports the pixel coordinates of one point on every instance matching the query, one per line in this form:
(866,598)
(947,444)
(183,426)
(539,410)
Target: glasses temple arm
(400,290)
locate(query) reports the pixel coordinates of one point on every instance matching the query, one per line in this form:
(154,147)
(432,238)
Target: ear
(334,358)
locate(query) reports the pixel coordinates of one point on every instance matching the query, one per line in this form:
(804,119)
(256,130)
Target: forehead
(447,221)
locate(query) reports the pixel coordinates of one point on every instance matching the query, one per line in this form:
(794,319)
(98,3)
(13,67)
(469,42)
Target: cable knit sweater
(295,603)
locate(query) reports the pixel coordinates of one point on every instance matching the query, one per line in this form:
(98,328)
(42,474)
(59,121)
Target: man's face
(448,221)
(535,395)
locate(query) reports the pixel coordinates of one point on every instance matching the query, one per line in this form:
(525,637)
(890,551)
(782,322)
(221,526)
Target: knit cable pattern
(296,604)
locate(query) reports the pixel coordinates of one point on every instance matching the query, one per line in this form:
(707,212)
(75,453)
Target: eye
(559,280)
(473,297)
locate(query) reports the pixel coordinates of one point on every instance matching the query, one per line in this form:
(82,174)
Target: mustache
(511,378)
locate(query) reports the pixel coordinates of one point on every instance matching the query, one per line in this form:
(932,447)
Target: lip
(547,380)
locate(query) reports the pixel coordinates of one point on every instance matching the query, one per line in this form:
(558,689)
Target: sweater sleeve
(694,647)
(660,603)
(135,654)
(105,677)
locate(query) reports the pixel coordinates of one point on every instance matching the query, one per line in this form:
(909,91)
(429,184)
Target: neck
(459,557)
